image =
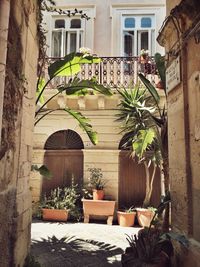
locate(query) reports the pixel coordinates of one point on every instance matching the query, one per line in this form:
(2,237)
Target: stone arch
(64,139)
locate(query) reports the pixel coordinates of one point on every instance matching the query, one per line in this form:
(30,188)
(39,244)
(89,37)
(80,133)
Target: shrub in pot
(145,216)
(126,217)
(152,247)
(60,203)
(97,183)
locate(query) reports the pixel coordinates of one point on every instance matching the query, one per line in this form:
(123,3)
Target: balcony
(113,72)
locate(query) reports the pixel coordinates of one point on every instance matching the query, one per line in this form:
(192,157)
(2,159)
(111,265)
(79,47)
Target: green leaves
(160,64)
(80,86)
(43,170)
(177,237)
(143,140)
(39,96)
(150,88)
(83,123)
(70,65)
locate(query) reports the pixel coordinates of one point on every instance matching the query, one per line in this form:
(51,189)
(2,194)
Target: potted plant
(97,183)
(152,247)
(60,202)
(137,117)
(145,216)
(126,217)
(144,56)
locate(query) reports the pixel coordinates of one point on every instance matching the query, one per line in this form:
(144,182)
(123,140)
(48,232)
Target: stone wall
(184,132)
(17,133)
(104,155)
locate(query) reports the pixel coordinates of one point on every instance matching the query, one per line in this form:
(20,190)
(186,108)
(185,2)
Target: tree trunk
(152,180)
(147,197)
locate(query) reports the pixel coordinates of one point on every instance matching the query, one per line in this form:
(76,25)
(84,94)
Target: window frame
(79,32)
(138,29)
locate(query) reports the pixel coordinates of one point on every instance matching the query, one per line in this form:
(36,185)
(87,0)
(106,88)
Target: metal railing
(113,72)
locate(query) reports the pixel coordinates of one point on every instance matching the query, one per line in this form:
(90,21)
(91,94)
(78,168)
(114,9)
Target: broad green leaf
(143,140)
(41,85)
(83,123)
(150,88)
(78,85)
(160,64)
(177,237)
(70,64)
(43,170)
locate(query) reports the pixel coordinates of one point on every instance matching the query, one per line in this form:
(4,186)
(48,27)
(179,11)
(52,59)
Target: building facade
(117,31)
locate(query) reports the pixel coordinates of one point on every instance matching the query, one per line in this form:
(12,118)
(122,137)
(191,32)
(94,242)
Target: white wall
(104,27)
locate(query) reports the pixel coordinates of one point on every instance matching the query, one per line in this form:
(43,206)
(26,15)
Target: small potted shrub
(152,247)
(60,202)
(145,216)
(97,183)
(126,217)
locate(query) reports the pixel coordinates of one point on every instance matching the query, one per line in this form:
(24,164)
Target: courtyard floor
(78,244)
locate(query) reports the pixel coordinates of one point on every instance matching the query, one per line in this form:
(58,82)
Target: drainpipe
(184,56)
(4,23)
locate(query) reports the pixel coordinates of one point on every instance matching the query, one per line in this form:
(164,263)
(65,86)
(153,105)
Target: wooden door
(64,164)
(64,158)
(132,183)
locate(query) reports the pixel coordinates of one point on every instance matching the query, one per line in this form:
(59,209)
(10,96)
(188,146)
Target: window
(138,34)
(67,36)
(145,22)
(129,23)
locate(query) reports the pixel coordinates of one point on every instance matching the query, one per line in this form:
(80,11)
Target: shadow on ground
(71,252)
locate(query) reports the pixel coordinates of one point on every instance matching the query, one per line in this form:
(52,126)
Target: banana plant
(69,66)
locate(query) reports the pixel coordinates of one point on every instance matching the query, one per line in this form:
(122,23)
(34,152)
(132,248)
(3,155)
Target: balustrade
(113,72)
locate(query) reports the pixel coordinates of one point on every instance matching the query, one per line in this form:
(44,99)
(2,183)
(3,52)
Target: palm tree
(137,114)
(147,129)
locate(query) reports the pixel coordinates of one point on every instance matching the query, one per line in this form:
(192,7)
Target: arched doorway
(132,179)
(64,158)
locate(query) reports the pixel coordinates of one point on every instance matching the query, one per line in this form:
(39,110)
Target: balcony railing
(114,72)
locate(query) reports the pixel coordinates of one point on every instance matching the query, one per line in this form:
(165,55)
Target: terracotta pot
(126,219)
(160,85)
(98,194)
(55,215)
(98,207)
(144,217)
(143,59)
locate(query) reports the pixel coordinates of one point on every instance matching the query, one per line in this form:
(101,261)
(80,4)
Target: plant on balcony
(144,56)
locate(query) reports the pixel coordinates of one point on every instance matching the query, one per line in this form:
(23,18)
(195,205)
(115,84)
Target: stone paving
(78,244)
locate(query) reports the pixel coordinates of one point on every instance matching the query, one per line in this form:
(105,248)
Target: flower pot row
(127,219)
